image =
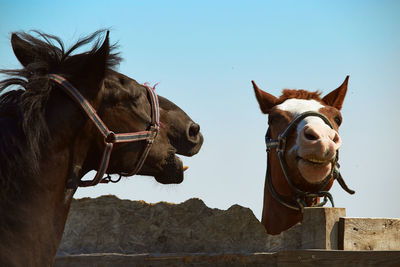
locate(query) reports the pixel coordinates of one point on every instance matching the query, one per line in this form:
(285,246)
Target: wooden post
(320,228)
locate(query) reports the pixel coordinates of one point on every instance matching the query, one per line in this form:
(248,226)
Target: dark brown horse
(302,144)
(48,141)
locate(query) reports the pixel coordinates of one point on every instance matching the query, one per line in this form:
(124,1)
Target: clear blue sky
(204,55)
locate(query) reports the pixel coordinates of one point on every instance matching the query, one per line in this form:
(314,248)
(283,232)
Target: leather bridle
(300,196)
(110,138)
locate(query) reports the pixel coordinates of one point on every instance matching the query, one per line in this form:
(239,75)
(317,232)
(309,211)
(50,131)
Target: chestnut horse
(74,114)
(302,145)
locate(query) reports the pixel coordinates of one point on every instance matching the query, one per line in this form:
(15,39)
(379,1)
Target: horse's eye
(277,117)
(133,98)
(338,120)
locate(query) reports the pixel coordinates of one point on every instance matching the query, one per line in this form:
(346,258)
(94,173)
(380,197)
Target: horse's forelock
(299,94)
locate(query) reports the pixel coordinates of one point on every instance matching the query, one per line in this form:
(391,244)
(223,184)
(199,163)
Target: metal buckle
(153,133)
(270,144)
(281,144)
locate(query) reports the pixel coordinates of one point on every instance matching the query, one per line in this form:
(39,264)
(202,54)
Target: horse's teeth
(185,168)
(316,161)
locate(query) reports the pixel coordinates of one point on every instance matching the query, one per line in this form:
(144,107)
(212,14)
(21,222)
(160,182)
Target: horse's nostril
(336,138)
(310,134)
(194,130)
(310,137)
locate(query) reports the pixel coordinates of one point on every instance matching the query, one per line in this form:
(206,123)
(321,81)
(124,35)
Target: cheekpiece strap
(110,137)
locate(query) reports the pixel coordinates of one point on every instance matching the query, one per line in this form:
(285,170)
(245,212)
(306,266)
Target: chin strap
(300,196)
(110,138)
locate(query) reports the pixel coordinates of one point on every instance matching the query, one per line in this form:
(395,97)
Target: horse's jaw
(314,171)
(172,171)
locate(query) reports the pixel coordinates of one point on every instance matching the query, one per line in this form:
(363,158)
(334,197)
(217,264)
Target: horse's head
(123,105)
(302,144)
(126,107)
(312,140)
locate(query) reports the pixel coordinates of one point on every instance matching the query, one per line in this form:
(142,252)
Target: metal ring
(110,138)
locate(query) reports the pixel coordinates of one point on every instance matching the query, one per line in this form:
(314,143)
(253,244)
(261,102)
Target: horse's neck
(276,217)
(40,216)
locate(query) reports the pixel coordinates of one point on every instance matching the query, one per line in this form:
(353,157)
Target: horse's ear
(93,68)
(336,97)
(22,50)
(265,100)
(98,62)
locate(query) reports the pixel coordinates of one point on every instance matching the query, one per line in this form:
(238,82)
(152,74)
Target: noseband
(110,138)
(300,196)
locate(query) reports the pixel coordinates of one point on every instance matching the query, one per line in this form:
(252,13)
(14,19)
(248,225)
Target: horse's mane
(24,132)
(300,94)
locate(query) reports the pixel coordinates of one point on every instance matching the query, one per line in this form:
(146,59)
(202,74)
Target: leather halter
(110,138)
(300,196)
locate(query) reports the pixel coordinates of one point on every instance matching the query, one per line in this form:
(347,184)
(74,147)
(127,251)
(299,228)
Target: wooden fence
(325,237)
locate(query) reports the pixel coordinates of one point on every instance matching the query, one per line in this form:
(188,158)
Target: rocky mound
(110,225)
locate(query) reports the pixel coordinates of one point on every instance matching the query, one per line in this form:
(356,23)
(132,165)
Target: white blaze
(298,106)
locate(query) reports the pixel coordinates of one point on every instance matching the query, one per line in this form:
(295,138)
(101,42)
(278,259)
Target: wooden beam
(282,258)
(369,234)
